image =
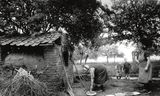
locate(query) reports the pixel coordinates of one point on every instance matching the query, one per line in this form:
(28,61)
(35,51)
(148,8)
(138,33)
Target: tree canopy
(28,17)
(136,20)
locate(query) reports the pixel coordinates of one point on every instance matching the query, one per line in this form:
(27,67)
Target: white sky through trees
(108,2)
(126,50)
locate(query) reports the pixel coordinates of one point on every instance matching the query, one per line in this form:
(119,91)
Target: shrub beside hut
(42,55)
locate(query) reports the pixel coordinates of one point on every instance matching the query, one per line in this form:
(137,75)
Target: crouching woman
(99,76)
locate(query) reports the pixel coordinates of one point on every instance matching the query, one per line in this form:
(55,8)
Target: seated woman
(127,68)
(118,69)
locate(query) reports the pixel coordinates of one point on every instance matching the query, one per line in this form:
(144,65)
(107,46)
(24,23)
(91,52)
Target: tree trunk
(107,60)
(81,59)
(86,58)
(114,58)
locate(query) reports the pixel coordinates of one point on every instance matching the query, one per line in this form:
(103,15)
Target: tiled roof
(30,40)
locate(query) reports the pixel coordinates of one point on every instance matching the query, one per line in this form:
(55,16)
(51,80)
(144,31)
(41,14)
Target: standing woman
(145,66)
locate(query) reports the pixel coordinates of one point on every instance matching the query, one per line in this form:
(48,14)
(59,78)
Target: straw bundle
(24,84)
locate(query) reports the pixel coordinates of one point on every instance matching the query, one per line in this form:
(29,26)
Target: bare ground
(114,86)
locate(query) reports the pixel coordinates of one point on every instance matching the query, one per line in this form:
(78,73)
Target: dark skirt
(126,71)
(101,76)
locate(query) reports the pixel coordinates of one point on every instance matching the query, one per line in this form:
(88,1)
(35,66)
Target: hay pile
(24,84)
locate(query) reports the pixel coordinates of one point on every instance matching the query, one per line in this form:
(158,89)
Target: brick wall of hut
(54,74)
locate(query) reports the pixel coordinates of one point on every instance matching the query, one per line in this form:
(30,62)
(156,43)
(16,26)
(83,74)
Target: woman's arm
(148,63)
(136,59)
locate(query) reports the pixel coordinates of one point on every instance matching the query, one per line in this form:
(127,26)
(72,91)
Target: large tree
(136,20)
(29,17)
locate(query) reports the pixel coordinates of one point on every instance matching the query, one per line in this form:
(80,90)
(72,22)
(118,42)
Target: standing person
(126,68)
(118,69)
(99,76)
(145,66)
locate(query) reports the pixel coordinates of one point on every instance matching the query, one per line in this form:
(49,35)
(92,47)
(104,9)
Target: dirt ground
(114,86)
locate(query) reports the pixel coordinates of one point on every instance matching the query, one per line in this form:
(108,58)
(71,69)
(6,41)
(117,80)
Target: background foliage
(136,20)
(32,17)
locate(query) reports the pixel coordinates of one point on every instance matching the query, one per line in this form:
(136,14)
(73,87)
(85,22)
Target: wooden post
(0,56)
(107,59)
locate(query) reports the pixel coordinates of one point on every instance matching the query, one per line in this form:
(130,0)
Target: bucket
(91,93)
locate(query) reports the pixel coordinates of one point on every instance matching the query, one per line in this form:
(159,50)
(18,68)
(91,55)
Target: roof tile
(30,41)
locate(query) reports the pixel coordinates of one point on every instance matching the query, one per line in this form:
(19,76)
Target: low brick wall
(53,75)
(56,73)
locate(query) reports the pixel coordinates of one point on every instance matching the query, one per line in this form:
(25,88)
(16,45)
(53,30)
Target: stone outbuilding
(41,54)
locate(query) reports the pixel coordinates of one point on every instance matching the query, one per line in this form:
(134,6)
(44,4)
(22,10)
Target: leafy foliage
(21,16)
(30,17)
(138,21)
